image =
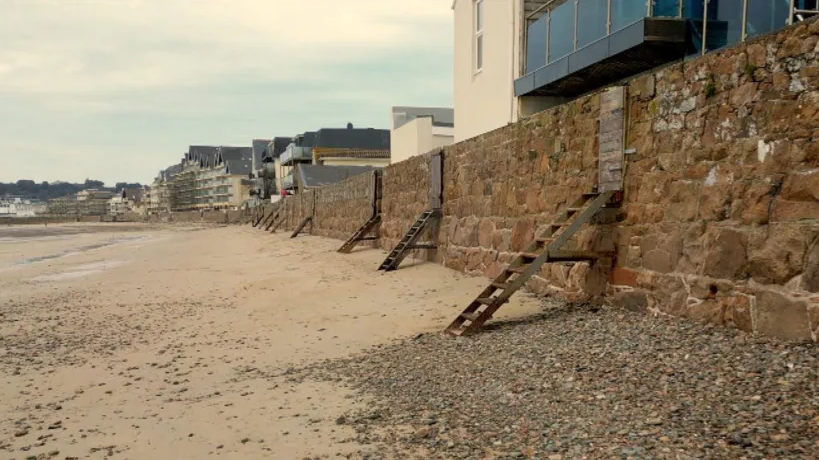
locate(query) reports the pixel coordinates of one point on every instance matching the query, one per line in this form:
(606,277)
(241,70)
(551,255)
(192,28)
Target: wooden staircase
(545,248)
(408,242)
(361,235)
(301,226)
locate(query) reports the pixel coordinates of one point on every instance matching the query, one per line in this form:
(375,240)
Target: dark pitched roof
(276,147)
(308,139)
(353,138)
(237,159)
(320,175)
(259,147)
(172,171)
(204,154)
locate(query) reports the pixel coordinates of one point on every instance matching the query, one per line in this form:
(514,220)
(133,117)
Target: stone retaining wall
(720,214)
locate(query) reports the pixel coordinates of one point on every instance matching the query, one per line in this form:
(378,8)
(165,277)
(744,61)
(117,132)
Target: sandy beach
(176,342)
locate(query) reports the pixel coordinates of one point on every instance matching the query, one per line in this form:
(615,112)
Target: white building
(418,130)
(486,59)
(18,207)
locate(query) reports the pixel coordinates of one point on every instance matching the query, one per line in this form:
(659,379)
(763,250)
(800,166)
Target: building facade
(517,58)
(418,130)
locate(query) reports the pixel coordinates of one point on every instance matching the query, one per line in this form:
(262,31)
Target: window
(479,18)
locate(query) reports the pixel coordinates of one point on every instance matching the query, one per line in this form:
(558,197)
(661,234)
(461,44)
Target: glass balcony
(294,154)
(576,46)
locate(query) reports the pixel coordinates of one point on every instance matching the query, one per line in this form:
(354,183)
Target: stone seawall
(720,213)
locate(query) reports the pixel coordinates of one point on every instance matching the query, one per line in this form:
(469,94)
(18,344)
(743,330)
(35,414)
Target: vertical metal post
(608,19)
(744,19)
(792,13)
(548,32)
(649,7)
(574,44)
(680,5)
(705,25)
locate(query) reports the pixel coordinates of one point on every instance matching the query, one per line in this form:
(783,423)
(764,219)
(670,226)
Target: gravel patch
(586,382)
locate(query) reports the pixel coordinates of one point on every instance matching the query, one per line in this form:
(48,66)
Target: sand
(154,342)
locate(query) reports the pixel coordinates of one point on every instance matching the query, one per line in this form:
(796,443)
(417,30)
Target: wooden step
(471,316)
(485,300)
(542,239)
(529,255)
(500,285)
(518,270)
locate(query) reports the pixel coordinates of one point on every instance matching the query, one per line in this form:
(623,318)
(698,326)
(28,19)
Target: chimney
(349,126)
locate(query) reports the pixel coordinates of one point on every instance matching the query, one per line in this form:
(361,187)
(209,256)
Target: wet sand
(176,342)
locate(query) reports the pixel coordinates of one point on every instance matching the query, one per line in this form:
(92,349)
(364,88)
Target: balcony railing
(564,36)
(293,154)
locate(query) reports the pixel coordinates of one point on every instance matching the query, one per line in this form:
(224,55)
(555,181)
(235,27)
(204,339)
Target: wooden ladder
(361,235)
(545,248)
(301,226)
(408,242)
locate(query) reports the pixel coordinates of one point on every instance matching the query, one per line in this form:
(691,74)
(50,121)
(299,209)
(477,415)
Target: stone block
(522,234)
(781,256)
(780,316)
(737,311)
(621,276)
(727,255)
(790,211)
(486,230)
(636,300)
(707,311)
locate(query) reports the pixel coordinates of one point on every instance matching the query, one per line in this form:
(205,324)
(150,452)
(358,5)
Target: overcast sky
(116,90)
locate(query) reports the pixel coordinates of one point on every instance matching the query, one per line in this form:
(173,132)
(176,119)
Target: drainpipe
(512,57)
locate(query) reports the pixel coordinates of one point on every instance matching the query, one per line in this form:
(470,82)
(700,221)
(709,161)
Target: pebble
(638,386)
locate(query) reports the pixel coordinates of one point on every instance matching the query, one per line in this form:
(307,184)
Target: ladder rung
(559,224)
(486,300)
(574,209)
(517,270)
(500,285)
(544,240)
(529,255)
(471,316)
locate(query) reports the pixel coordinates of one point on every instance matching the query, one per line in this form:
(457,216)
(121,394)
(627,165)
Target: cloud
(105,82)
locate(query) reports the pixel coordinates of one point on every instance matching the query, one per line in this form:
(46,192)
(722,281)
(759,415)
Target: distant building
(352,146)
(93,202)
(418,130)
(127,201)
(275,171)
(311,176)
(19,207)
(298,151)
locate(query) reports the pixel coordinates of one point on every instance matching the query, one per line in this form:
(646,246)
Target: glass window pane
(724,23)
(666,8)
(536,44)
(765,16)
(561,31)
(626,12)
(479,53)
(479,15)
(592,16)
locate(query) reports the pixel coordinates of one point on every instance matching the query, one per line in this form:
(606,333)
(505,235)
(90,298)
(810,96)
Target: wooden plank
(436,181)
(611,140)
